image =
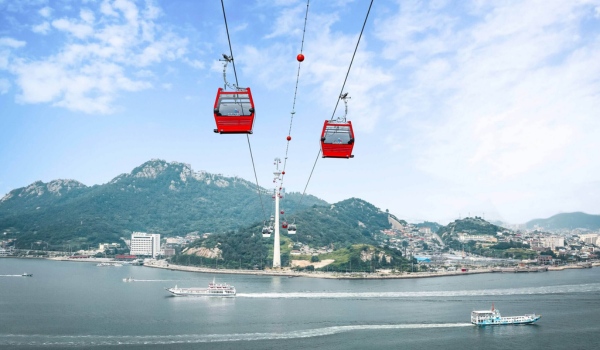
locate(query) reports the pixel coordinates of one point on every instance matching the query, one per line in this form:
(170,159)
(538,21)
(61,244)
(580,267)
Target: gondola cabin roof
(234,111)
(337,139)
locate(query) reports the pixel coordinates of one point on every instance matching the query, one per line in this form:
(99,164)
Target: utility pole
(276,248)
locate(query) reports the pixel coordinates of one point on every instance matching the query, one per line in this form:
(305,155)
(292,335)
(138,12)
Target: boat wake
(137,280)
(107,340)
(562,289)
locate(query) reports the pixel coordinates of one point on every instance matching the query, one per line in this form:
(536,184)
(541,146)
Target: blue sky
(459,107)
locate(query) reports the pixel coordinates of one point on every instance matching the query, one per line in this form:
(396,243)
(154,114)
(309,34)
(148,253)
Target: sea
(77,305)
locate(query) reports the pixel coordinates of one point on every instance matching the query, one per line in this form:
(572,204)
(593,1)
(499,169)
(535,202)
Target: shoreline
(287,272)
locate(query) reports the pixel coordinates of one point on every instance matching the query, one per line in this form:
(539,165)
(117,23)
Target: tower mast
(276,248)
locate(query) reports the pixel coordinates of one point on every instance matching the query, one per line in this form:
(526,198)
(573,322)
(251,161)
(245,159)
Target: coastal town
(510,250)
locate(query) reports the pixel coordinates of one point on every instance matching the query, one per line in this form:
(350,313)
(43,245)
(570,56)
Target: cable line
(352,60)
(300,58)
(341,95)
(247,136)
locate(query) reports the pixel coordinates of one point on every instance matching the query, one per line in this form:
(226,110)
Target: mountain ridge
(567,221)
(169,198)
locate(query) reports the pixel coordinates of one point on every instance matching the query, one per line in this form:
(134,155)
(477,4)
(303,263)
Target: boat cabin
(234,111)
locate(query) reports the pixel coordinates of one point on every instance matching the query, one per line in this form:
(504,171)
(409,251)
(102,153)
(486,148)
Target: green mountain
(341,227)
(171,199)
(470,225)
(567,221)
(157,197)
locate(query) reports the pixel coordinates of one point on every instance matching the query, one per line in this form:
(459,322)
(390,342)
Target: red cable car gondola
(284,224)
(337,139)
(234,111)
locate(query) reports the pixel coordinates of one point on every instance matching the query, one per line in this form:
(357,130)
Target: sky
(459,108)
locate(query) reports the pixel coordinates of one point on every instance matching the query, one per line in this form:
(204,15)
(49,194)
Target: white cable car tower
(277,195)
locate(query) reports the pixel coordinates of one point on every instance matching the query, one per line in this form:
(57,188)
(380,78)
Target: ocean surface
(82,306)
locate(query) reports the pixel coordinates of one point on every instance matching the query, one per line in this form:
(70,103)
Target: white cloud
(45,12)
(79,30)
(504,101)
(87,16)
(289,22)
(195,63)
(42,28)
(92,67)
(11,43)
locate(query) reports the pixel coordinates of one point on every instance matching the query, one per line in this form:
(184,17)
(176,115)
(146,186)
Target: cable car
(234,111)
(266,232)
(337,139)
(292,229)
(284,224)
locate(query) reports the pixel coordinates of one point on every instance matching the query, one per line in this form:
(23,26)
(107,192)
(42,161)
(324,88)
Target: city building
(590,238)
(552,242)
(145,244)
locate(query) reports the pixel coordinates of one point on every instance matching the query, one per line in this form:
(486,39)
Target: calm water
(79,305)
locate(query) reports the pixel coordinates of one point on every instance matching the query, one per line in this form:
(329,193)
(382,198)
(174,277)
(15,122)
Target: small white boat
(27,274)
(493,317)
(128,279)
(223,290)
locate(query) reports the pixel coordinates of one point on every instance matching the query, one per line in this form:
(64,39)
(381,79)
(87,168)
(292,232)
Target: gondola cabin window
(337,134)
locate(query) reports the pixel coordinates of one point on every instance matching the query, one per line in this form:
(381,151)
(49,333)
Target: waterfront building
(552,242)
(145,244)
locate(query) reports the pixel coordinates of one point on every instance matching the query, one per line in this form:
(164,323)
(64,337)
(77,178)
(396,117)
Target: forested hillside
(157,197)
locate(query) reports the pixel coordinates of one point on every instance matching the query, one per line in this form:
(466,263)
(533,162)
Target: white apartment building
(145,244)
(552,242)
(590,238)
(463,237)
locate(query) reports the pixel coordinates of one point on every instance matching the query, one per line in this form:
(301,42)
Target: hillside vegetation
(156,197)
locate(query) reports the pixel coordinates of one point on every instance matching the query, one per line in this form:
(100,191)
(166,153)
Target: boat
(214,290)
(493,317)
(27,274)
(128,279)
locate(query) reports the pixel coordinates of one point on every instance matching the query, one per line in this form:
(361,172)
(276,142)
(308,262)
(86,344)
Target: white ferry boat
(213,290)
(493,317)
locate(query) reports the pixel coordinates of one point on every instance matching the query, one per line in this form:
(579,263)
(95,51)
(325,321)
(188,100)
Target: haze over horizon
(458,107)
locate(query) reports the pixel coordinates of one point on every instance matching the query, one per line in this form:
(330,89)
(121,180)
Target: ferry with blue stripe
(493,317)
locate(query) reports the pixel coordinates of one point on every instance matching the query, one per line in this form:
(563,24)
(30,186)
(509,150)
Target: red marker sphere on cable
(300,57)
(289,138)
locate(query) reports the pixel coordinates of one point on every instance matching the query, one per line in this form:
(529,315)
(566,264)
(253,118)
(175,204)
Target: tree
(314,258)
